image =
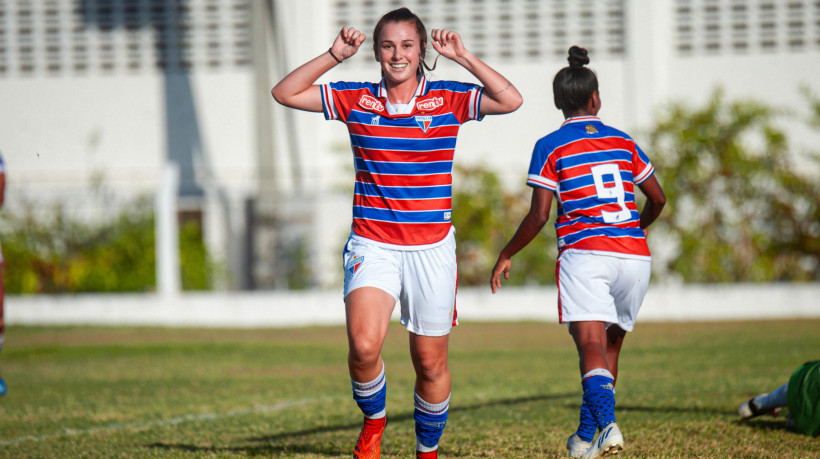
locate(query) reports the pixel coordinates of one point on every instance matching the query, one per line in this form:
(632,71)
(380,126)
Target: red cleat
(369,444)
(428,455)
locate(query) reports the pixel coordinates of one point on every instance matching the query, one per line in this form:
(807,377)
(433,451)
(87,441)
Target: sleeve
(642,168)
(334,104)
(465,101)
(542,172)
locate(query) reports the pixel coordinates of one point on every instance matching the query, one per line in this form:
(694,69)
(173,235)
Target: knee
(432,369)
(365,351)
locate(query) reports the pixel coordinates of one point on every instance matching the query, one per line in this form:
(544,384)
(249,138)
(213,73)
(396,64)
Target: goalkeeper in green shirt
(801,394)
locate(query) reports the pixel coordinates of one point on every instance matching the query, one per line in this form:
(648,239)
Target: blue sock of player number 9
(587,424)
(599,396)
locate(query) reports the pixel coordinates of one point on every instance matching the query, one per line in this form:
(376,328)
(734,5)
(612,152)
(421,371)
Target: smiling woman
(401,248)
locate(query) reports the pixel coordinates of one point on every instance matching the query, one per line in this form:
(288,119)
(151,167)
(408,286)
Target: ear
(595,102)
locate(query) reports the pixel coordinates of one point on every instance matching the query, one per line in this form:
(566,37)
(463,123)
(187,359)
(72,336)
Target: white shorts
(595,287)
(423,281)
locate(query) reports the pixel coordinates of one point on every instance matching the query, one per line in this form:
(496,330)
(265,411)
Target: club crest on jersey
(424,122)
(353,265)
(430,104)
(371,103)
(591,129)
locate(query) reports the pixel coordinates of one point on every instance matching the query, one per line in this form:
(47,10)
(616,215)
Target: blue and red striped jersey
(403,156)
(593,170)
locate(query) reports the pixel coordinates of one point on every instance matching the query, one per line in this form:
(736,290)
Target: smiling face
(399,50)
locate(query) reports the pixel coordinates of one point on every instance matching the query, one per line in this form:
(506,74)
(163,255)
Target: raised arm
(500,96)
(529,228)
(297,90)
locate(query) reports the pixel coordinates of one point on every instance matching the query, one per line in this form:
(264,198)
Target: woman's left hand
(448,43)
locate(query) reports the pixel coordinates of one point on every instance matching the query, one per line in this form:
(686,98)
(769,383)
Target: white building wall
(60,132)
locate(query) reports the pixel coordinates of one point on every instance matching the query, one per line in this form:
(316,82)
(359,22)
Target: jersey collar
(402,109)
(581,119)
(420,90)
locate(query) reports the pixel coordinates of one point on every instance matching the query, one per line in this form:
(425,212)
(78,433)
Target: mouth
(398,67)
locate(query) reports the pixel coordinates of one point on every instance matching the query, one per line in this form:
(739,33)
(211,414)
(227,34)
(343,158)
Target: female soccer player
(402,244)
(603,261)
(801,394)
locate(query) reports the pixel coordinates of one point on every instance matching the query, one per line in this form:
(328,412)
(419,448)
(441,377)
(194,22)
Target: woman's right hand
(347,42)
(501,268)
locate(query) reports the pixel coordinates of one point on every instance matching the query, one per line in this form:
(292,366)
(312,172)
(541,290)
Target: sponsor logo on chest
(432,103)
(371,103)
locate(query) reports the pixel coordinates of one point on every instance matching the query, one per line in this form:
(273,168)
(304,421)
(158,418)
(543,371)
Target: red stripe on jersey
(558,282)
(404,156)
(379,202)
(404,180)
(401,233)
(579,226)
(630,245)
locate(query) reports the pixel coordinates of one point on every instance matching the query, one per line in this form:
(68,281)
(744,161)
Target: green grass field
(127,392)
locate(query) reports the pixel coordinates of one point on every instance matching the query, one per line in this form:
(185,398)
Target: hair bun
(578,57)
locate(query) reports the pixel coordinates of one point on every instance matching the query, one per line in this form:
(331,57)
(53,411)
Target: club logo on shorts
(353,265)
(424,122)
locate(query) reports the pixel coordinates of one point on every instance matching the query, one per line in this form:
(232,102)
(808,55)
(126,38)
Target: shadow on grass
(270,444)
(770,424)
(668,409)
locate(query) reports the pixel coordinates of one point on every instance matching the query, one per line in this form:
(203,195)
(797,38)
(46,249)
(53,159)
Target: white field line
(161,422)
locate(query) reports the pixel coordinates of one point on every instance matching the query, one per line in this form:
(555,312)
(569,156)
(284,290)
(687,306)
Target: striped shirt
(403,156)
(593,169)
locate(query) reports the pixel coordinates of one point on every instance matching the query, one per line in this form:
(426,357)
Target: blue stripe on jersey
(402,143)
(397,216)
(408,168)
(609,231)
(355,85)
(566,208)
(593,157)
(587,180)
(363,117)
(449,85)
(396,192)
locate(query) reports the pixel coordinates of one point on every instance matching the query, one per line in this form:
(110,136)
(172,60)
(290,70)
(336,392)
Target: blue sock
(372,396)
(587,424)
(599,396)
(430,421)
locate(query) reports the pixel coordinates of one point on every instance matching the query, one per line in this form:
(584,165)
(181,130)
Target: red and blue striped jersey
(403,161)
(593,171)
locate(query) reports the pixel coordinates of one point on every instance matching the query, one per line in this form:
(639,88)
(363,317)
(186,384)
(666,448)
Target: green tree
(64,254)
(737,207)
(485,217)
